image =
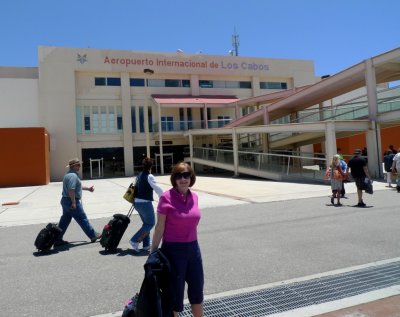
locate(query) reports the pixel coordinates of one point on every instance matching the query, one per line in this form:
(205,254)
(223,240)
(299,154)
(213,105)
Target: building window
(189,118)
(119,119)
(87,120)
(99,81)
(223,120)
(107,81)
(133,119)
(168,83)
(245,84)
(181,119)
(150,115)
(98,119)
(172,83)
(225,84)
(113,81)
(103,119)
(141,119)
(272,85)
(167,124)
(111,118)
(136,82)
(206,83)
(156,82)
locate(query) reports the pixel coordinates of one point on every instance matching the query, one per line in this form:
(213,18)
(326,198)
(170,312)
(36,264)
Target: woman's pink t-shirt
(182,217)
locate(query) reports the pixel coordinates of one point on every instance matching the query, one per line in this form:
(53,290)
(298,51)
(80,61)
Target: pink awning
(176,99)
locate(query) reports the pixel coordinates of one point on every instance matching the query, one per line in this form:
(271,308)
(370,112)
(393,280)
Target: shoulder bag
(131,192)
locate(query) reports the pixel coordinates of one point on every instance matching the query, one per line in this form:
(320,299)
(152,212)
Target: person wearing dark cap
(359,171)
(71,204)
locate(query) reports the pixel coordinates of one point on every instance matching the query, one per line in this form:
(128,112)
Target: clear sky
(334,34)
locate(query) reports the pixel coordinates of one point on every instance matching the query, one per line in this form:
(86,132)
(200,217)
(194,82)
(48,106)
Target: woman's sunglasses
(185,175)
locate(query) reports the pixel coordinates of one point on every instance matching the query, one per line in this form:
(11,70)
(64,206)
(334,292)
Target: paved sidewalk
(40,204)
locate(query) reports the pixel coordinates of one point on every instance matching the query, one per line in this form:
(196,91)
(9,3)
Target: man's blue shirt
(71,181)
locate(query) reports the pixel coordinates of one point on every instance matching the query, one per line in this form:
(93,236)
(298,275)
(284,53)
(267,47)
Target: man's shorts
(359,183)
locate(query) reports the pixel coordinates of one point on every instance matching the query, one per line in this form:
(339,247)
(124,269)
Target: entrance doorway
(103,162)
(168,162)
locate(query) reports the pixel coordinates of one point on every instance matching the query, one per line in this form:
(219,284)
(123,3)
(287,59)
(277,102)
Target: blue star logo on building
(82,58)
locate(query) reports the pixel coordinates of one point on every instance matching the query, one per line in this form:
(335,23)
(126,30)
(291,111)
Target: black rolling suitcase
(47,236)
(114,230)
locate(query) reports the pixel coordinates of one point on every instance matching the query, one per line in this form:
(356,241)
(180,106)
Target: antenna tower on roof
(235,43)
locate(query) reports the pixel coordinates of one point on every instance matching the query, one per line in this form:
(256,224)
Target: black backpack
(47,236)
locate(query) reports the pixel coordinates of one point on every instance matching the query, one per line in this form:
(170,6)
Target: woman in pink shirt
(178,215)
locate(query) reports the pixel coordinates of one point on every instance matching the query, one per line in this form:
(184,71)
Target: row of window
(140,82)
(108,119)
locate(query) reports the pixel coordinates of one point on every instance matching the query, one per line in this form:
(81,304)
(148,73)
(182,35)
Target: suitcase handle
(129,214)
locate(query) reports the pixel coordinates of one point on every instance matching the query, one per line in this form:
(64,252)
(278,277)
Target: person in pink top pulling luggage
(178,216)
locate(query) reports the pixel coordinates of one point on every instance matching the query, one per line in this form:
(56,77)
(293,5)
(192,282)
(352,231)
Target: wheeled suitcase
(114,230)
(47,236)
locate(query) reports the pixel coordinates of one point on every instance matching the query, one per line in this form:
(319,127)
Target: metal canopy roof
(387,68)
(181,99)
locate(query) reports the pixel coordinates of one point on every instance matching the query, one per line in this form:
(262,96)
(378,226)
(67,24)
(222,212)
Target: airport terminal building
(112,108)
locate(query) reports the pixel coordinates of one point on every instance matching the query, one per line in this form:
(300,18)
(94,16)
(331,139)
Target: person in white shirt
(396,166)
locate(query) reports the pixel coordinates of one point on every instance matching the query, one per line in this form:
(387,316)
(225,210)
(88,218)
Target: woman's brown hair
(179,168)
(147,163)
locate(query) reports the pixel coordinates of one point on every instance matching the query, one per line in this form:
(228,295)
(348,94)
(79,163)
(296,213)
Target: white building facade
(112,108)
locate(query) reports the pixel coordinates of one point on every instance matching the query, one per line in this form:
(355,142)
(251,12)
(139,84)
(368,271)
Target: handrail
(292,166)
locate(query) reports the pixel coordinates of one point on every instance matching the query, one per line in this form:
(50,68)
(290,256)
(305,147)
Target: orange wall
(349,144)
(389,136)
(24,158)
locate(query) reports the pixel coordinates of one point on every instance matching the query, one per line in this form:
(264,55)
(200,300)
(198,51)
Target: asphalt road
(242,246)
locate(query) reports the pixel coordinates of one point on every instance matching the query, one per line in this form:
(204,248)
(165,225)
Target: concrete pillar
(235,153)
(321,111)
(191,150)
(265,142)
(146,126)
(330,141)
(373,148)
(373,135)
(237,111)
(205,116)
(265,115)
(370,81)
(127,124)
(160,139)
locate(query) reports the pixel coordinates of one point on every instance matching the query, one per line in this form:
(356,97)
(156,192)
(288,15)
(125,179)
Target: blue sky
(334,34)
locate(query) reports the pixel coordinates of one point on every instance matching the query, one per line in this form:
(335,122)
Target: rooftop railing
(178,126)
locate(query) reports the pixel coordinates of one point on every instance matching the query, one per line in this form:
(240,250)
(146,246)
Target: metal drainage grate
(296,295)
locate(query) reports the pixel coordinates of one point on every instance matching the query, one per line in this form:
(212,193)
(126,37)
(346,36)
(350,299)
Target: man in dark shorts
(359,171)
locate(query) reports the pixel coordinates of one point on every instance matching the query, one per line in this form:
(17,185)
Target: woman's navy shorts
(187,266)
